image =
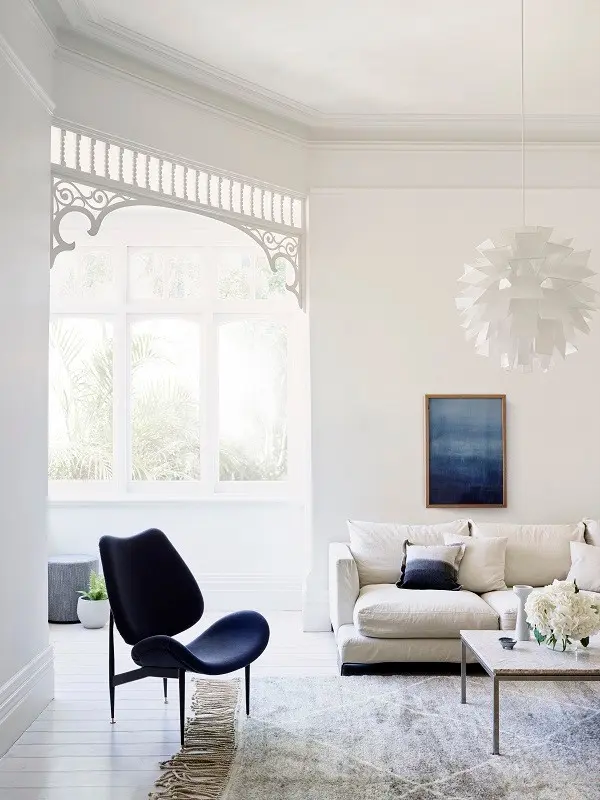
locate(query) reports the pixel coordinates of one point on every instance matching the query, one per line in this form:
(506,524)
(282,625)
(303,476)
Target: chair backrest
(150,588)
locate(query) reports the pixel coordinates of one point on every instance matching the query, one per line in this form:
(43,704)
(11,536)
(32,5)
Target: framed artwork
(465,450)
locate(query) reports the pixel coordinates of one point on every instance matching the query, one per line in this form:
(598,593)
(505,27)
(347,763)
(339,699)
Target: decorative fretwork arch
(94,175)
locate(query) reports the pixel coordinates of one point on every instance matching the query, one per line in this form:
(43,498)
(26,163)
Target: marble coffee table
(528,661)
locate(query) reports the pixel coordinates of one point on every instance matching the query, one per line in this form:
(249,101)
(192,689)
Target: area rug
(393,737)
(200,771)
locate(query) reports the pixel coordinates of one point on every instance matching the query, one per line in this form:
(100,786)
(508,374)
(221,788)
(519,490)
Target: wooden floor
(71,752)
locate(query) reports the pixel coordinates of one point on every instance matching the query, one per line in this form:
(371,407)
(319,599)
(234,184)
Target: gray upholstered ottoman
(67,575)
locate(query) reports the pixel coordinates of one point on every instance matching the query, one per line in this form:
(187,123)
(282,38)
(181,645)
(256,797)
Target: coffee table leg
(463,673)
(496,718)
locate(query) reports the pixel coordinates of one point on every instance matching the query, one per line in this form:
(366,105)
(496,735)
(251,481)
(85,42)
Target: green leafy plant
(97,588)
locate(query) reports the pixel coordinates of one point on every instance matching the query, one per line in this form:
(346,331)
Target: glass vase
(564,644)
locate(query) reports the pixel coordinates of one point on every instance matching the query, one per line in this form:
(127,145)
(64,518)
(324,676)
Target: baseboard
(231,592)
(25,696)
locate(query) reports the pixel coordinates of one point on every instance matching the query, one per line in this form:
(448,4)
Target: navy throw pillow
(431,567)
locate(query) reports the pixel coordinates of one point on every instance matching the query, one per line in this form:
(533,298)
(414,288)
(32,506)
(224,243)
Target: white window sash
(121,311)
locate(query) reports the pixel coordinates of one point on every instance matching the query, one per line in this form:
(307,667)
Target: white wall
(244,553)
(26,682)
(383,269)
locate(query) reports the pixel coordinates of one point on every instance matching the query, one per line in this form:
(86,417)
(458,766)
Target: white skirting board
(25,696)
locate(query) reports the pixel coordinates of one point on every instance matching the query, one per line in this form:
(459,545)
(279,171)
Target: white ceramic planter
(93,613)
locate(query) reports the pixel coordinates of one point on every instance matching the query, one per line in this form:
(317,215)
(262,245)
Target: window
(176,362)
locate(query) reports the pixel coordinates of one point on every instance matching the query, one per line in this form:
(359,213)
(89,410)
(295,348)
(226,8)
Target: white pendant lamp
(525,298)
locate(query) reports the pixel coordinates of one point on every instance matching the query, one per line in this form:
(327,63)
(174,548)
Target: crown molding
(177,90)
(26,76)
(108,45)
(170,60)
(441,146)
(75,13)
(417,131)
(448,129)
(46,16)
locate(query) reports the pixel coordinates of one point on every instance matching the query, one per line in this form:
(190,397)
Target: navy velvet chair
(153,597)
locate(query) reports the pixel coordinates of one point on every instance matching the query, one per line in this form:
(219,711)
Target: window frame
(122,310)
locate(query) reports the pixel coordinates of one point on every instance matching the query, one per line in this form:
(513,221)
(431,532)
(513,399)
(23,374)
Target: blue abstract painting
(465,459)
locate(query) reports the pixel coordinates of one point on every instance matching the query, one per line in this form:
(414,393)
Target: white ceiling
(326,59)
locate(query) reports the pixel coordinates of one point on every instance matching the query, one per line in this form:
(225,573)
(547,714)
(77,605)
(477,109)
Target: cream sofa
(376,623)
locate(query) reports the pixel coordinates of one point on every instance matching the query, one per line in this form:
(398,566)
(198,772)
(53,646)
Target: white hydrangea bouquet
(561,614)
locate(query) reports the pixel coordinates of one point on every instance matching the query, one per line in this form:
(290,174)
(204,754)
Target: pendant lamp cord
(523,110)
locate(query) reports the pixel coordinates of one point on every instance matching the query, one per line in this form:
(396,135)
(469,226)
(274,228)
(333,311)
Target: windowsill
(134,500)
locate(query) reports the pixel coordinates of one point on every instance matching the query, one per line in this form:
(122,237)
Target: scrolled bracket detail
(95,203)
(91,201)
(280,246)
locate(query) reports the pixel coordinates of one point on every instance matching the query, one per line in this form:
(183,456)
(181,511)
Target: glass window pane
(165,400)
(166,272)
(235,272)
(244,273)
(252,401)
(85,272)
(269,283)
(81,400)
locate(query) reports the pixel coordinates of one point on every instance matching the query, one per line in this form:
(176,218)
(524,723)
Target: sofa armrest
(343,585)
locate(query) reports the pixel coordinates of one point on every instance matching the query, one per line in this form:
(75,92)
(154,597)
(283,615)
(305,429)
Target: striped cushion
(431,567)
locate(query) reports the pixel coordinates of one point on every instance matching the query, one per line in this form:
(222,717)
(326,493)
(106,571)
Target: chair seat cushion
(232,642)
(386,612)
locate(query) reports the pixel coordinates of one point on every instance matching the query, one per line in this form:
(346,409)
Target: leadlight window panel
(167,272)
(84,273)
(245,274)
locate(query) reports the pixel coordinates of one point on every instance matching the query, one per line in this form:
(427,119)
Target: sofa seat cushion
(505,603)
(386,612)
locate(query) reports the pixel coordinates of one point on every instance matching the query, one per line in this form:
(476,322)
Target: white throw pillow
(592,531)
(482,567)
(378,547)
(535,554)
(585,566)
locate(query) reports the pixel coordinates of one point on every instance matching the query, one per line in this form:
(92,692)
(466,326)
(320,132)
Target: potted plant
(92,607)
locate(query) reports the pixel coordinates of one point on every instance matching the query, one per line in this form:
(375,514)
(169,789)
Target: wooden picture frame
(465,451)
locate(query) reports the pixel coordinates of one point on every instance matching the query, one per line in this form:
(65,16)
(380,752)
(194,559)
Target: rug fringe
(201,769)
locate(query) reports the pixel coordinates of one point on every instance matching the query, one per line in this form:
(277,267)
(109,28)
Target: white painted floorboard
(72,752)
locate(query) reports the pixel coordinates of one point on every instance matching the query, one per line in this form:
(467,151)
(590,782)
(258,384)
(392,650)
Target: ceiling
(361,61)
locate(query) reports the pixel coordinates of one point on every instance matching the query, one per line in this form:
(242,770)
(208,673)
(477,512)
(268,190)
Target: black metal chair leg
(111,668)
(247,682)
(182,706)
(165,689)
